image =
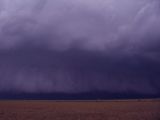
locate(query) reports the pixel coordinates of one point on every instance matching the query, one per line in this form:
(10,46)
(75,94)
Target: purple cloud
(79,45)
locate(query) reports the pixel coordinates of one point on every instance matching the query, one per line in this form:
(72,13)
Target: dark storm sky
(77,46)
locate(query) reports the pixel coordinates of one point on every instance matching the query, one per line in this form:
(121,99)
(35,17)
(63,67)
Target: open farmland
(80,110)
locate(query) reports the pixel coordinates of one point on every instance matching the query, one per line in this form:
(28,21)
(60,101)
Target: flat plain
(80,110)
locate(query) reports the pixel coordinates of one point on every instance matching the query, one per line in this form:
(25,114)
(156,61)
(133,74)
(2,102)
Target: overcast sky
(77,46)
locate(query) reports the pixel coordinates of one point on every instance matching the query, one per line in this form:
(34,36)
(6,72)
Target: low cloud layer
(80,45)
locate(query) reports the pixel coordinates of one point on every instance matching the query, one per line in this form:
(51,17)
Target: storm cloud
(80,45)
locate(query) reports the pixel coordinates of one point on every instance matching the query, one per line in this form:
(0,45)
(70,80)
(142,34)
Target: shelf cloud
(80,45)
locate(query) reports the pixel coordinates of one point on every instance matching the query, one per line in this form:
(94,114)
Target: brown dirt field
(80,110)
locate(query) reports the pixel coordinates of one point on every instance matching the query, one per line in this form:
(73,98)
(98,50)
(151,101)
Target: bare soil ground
(80,110)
